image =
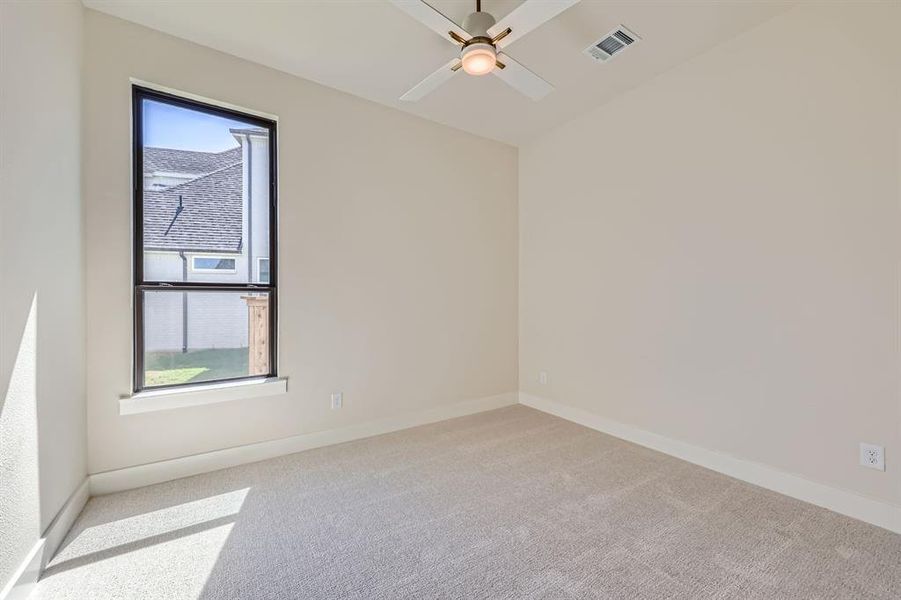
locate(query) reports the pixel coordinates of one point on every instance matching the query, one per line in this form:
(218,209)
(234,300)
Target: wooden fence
(257,334)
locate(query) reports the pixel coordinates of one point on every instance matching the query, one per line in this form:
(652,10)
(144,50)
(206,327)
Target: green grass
(169,368)
(172,376)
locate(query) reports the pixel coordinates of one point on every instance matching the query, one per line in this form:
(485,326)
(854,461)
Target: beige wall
(398,254)
(714,256)
(42,417)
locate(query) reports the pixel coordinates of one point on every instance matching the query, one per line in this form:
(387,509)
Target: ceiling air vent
(611,44)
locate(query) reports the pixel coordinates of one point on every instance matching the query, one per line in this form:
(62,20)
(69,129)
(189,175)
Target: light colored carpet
(511,503)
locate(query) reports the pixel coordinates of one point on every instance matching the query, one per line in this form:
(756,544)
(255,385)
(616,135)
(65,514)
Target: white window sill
(197,395)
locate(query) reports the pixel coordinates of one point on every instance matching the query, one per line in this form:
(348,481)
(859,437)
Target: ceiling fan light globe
(479,59)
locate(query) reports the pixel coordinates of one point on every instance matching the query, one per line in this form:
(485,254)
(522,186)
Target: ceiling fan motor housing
(477,24)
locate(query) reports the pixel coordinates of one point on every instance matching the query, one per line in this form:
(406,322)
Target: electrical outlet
(872,456)
(542,378)
(337,400)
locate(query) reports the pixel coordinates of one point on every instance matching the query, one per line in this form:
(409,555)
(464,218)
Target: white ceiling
(371,49)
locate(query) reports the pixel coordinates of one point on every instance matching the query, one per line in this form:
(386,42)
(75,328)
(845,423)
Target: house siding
(215,319)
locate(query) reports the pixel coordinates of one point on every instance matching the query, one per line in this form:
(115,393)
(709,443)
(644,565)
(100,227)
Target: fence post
(257,334)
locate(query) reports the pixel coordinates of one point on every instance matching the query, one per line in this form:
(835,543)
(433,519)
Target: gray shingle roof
(170,160)
(210,218)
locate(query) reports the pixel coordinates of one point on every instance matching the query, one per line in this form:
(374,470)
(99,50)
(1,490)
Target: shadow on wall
(20,509)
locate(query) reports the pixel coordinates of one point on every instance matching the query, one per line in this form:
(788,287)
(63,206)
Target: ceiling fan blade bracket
(500,65)
(457,67)
(456,38)
(501,35)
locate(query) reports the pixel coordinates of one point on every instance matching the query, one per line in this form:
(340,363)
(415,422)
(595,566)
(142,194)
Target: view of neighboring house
(206,218)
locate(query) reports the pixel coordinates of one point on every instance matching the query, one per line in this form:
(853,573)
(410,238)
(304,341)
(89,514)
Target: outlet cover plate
(872,456)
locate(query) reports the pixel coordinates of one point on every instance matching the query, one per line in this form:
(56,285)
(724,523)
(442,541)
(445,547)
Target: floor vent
(611,44)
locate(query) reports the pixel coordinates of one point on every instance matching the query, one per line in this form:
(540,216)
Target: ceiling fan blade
(431,82)
(521,79)
(526,17)
(432,19)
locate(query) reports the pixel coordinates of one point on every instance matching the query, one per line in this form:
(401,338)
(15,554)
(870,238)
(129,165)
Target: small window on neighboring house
(264,270)
(213,263)
(204,231)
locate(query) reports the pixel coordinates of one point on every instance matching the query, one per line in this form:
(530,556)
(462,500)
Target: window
(205,235)
(263,270)
(213,263)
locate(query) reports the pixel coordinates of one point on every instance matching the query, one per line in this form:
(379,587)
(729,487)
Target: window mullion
(202,285)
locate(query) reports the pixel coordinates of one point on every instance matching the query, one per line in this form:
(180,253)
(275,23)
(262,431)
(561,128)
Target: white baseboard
(26,577)
(875,512)
(167,470)
(63,521)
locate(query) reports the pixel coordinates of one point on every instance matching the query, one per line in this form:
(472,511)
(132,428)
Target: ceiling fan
(481,38)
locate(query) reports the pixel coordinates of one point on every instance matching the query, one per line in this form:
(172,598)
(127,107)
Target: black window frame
(139,94)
